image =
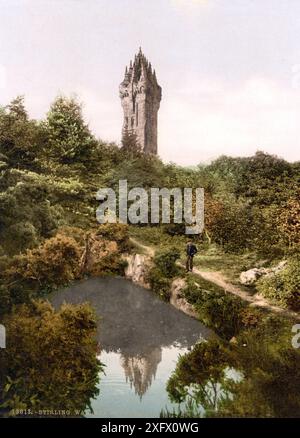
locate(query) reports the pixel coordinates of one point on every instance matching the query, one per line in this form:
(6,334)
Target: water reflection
(141,370)
(143,333)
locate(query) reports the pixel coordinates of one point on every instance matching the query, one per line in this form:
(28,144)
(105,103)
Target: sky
(229,69)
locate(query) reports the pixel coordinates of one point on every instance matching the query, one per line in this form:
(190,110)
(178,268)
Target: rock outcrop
(138,266)
(177,300)
(250,277)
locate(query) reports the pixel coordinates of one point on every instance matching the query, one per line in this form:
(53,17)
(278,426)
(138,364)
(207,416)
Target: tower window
(132,122)
(137,115)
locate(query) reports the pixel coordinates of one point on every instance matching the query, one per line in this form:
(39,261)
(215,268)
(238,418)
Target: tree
(130,145)
(70,139)
(201,376)
(19,136)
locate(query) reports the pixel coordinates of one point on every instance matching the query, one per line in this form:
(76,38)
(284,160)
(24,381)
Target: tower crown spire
(140,97)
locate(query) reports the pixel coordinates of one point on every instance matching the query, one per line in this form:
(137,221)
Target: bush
(53,264)
(165,261)
(220,311)
(50,362)
(26,214)
(164,270)
(116,232)
(159,284)
(22,235)
(283,287)
(111,264)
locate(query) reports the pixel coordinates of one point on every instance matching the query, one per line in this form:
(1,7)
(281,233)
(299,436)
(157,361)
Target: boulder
(250,277)
(138,266)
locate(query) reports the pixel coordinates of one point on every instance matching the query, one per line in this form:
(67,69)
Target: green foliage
(116,232)
(218,310)
(262,178)
(69,137)
(201,376)
(289,221)
(284,286)
(26,214)
(52,264)
(130,146)
(50,362)
(159,283)
(164,270)
(19,136)
(165,261)
(262,364)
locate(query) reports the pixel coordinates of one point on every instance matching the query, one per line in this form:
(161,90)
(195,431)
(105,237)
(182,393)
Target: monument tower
(140,97)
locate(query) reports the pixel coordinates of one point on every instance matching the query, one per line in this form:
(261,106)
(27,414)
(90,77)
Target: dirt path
(220,280)
(255,300)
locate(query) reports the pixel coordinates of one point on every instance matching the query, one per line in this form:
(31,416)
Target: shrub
(54,263)
(116,232)
(50,362)
(159,283)
(218,310)
(22,235)
(111,264)
(165,261)
(283,287)
(163,271)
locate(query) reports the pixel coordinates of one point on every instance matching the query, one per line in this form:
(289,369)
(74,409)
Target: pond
(141,338)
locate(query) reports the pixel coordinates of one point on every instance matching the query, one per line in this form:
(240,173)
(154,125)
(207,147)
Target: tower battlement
(140,97)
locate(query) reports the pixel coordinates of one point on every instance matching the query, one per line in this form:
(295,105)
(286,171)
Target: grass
(231,265)
(156,237)
(208,258)
(205,284)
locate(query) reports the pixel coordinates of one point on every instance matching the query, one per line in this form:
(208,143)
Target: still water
(141,338)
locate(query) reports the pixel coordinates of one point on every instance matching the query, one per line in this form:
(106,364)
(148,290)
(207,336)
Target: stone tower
(140,97)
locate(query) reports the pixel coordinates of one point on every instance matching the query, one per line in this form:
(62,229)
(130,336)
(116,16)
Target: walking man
(191,250)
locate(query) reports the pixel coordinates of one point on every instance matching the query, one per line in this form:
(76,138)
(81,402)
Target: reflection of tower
(140,97)
(141,370)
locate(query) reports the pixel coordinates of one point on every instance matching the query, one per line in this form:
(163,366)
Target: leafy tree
(19,136)
(26,214)
(70,140)
(201,376)
(130,145)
